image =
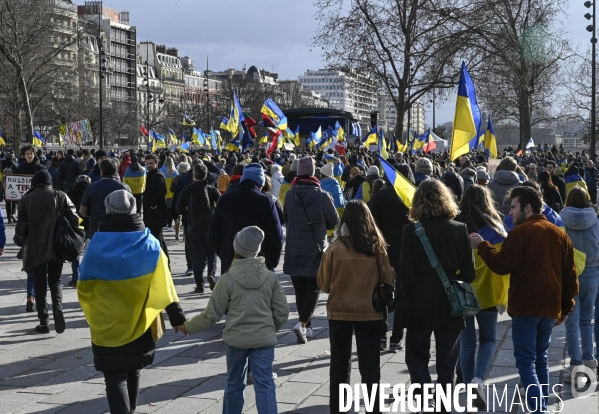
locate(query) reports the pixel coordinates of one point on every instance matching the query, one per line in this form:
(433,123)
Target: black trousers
(43,276)
(187,250)
(306,297)
(157,232)
(400,301)
(138,202)
(368,335)
(121,390)
(201,250)
(418,344)
(593,195)
(11,208)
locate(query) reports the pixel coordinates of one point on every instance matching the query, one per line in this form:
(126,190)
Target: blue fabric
(254,172)
(573,178)
(487,332)
(94,176)
(163,169)
(550,214)
(579,325)
(338,170)
(582,226)
(2,230)
(260,362)
(30,285)
(129,173)
(115,256)
(589,177)
(531,337)
(331,186)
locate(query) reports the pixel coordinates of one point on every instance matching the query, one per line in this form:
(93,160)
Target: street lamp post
(592,29)
(207,90)
(101,61)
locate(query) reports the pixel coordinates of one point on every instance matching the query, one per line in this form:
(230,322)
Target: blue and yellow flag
(490,140)
(274,113)
(159,139)
(124,285)
(297,141)
(404,188)
(172,136)
(466,121)
(382,143)
(2,142)
(187,121)
(136,180)
(223,123)
(38,139)
(490,288)
(370,138)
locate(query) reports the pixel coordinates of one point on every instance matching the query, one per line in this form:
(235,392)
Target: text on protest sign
(76,133)
(16,186)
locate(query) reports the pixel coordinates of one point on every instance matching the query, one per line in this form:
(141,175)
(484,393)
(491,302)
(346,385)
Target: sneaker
(394,347)
(73,283)
(199,289)
(189,272)
(480,402)
(383,344)
(300,332)
(42,329)
(309,333)
(59,322)
(211,282)
(29,307)
(274,376)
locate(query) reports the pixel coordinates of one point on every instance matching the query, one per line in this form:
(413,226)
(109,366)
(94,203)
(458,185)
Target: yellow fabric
(570,186)
(118,312)
(340,211)
(283,190)
(169,193)
(366,191)
(464,129)
(490,288)
(136,184)
(491,144)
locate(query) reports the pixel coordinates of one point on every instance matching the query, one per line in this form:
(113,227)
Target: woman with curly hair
(427,308)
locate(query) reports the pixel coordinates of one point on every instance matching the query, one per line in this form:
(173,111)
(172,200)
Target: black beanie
(42,177)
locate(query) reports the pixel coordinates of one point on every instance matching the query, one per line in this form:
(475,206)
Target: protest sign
(16,186)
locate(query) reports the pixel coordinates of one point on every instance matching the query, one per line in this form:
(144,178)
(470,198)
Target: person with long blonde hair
(428,310)
(354,263)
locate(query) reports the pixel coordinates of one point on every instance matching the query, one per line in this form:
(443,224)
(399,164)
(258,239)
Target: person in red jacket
(124,164)
(540,260)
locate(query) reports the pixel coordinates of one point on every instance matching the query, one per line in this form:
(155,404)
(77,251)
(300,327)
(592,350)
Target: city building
(388,115)
(346,90)
(198,88)
(296,95)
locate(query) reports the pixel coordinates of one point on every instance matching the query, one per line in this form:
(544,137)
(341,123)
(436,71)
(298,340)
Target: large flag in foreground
(404,188)
(466,121)
(123,286)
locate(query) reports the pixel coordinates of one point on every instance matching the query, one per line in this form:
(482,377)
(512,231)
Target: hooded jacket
(124,165)
(502,182)
(198,200)
(277,180)
(582,226)
(255,304)
(331,186)
(67,172)
(305,240)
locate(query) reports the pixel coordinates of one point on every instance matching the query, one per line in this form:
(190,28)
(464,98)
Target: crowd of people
(523,232)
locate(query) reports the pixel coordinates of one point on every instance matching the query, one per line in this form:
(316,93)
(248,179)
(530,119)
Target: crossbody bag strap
(432,257)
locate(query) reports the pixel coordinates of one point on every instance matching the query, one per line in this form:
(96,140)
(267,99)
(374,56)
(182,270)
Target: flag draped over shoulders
(124,285)
(490,288)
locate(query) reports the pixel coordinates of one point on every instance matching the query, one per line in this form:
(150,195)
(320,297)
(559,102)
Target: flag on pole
(404,188)
(187,121)
(466,121)
(370,138)
(297,140)
(272,112)
(223,123)
(274,143)
(172,136)
(38,139)
(2,142)
(144,130)
(382,143)
(491,140)
(530,144)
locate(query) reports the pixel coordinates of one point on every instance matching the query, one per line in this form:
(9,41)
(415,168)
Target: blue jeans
(579,325)
(531,337)
(487,332)
(260,362)
(75,269)
(30,285)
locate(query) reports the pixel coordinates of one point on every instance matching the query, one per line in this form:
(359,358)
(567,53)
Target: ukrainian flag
(370,138)
(169,180)
(382,142)
(136,180)
(490,288)
(490,140)
(552,217)
(2,139)
(223,123)
(187,121)
(272,111)
(172,136)
(572,181)
(466,121)
(38,139)
(124,285)
(404,188)
(297,140)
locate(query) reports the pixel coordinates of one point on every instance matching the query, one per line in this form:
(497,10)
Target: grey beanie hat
(247,242)
(424,166)
(120,202)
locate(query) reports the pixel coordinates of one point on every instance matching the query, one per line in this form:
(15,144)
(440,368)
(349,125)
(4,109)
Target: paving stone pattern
(55,374)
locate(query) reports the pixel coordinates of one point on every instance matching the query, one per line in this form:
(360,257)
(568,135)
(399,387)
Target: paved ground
(55,374)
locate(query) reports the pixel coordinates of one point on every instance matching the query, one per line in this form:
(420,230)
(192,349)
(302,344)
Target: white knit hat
(327,169)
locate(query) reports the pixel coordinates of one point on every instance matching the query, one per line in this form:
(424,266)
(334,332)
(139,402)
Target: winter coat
(94,196)
(182,181)
(139,352)
(420,177)
(582,226)
(135,178)
(589,177)
(198,200)
(26,168)
(349,277)
(76,195)
(95,174)
(223,182)
(501,184)
(124,165)
(572,181)
(276,179)
(427,306)
(331,186)
(155,196)
(213,173)
(560,184)
(255,304)
(230,165)
(233,184)
(347,170)
(306,241)
(68,171)
(552,198)
(37,222)
(353,186)
(244,207)
(390,215)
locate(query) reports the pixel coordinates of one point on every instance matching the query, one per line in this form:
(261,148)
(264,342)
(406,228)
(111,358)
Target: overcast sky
(270,34)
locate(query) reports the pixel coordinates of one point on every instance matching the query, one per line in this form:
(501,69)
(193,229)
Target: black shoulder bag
(68,241)
(382,296)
